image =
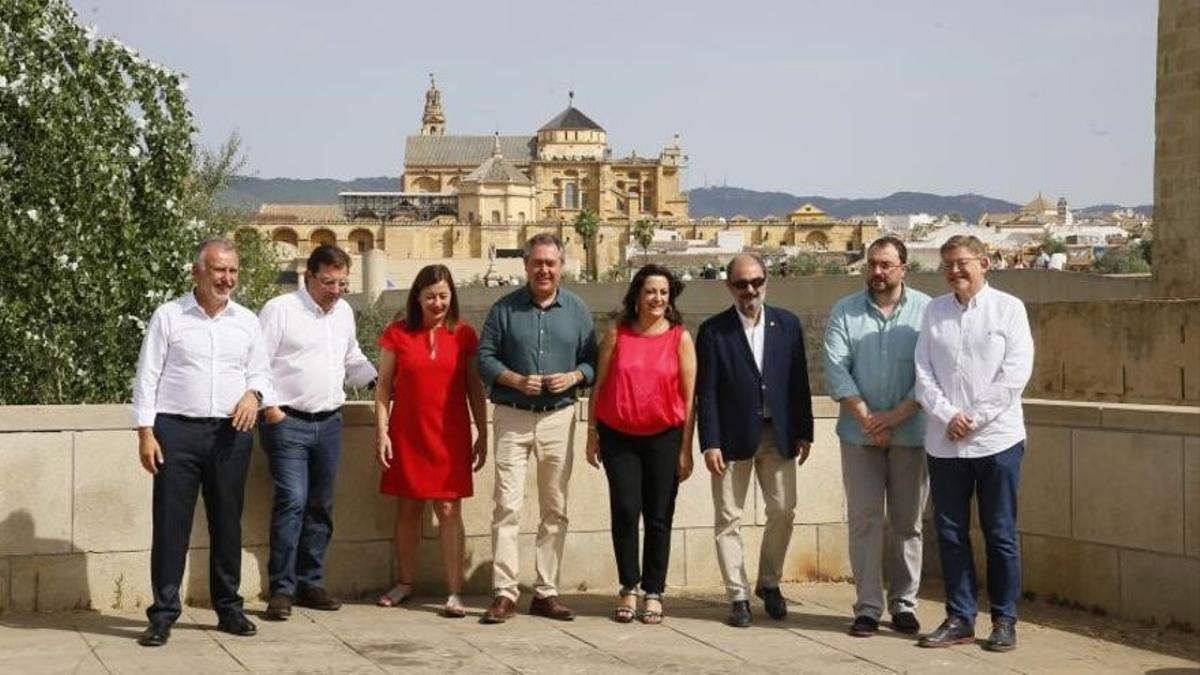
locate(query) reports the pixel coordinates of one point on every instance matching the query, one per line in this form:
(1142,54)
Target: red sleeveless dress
(430,424)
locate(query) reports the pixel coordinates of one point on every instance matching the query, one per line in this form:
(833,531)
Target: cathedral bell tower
(433,121)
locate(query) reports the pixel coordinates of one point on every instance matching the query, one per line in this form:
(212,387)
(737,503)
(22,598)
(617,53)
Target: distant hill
(248,193)
(725,202)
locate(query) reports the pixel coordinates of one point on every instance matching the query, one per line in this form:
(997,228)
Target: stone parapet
(1109,514)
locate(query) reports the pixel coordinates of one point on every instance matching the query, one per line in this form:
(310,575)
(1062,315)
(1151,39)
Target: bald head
(741,259)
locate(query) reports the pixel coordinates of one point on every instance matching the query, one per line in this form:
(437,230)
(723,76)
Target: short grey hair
(544,239)
(224,244)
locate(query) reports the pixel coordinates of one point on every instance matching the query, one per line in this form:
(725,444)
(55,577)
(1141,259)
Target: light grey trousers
(885,486)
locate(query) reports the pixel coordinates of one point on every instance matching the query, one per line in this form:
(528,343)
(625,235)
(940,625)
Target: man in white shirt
(313,350)
(973,359)
(201,375)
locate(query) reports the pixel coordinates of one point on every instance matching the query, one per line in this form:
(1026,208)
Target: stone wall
(1109,515)
(75,518)
(1109,510)
(1177,151)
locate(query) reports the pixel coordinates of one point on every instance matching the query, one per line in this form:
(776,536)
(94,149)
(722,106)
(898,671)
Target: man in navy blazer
(755,413)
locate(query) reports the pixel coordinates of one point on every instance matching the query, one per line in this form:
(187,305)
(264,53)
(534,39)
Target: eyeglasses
(960,264)
(885,266)
(743,284)
(334,283)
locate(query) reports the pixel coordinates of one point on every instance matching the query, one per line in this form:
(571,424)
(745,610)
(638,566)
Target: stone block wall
(1109,511)
(1109,515)
(75,518)
(1177,151)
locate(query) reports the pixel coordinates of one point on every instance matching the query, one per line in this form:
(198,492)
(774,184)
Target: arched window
(521,217)
(361,241)
(495,217)
(322,236)
(571,196)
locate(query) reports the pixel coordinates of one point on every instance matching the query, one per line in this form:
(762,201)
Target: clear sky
(841,98)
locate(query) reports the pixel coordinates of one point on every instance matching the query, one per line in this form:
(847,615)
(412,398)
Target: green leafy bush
(101,204)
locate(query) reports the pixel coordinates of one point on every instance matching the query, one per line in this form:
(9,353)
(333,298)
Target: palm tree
(586,226)
(643,234)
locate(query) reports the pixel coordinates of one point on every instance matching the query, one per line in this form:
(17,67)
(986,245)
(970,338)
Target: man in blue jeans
(973,359)
(313,350)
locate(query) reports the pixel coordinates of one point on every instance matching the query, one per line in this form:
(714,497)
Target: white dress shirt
(195,365)
(313,353)
(754,334)
(974,359)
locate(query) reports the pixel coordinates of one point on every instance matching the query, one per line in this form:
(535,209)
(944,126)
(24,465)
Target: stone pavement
(364,639)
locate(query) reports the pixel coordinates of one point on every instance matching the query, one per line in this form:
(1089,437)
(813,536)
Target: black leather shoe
(864,626)
(279,608)
(155,635)
(1003,637)
(773,599)
(318,598)
(739,614)
(237,624)
(954,631)
(906,622)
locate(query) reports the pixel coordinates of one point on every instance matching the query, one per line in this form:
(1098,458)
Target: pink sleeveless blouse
(640,395)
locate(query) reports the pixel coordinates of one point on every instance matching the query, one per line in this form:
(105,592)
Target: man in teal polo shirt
(537,347)
(869,347)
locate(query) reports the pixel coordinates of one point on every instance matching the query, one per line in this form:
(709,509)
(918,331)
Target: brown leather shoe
(502,610)
(551,608)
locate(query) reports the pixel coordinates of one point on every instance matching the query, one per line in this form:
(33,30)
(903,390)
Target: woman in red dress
(427,369)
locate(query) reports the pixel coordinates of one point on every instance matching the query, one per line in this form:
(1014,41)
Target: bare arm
(687,389)
(476,401)
(383,405)
(602,363)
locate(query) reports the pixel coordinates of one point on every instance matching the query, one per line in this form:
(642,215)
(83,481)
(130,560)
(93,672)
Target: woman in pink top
(641,429)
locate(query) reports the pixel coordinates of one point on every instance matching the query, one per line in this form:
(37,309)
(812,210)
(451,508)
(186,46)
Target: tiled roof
(301,211)
(571,118)
(459,150)
(497,170)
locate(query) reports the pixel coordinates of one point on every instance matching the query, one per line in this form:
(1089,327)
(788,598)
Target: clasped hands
(554,383)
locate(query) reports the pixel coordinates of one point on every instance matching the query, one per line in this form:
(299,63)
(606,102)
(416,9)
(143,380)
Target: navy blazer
(730,391)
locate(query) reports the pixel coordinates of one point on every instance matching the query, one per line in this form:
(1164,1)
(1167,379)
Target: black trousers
(198,454)
(641,484)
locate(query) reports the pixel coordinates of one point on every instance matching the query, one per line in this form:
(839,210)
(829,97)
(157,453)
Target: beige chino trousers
(549,437)
(777,480)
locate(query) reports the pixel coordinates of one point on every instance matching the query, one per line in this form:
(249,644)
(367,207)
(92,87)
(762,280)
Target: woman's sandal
(623,614)
(397,595)
(651,617)
(453,609)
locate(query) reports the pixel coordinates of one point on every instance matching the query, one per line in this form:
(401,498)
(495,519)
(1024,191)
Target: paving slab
(362,638)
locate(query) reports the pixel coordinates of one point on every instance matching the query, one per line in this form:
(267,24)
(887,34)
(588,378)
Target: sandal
(623,613)
(396,596)
(453,609)
(652,617)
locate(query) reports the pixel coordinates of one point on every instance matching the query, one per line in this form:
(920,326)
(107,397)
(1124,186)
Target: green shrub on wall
(100,205)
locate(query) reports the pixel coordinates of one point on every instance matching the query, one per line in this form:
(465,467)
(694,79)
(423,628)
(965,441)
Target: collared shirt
(871,356)
(974,359)
(520,336)
(196,365)
(313,353)
(754,334)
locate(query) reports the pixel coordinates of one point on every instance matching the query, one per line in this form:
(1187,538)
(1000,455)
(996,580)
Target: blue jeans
(303,457)
(994,479)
